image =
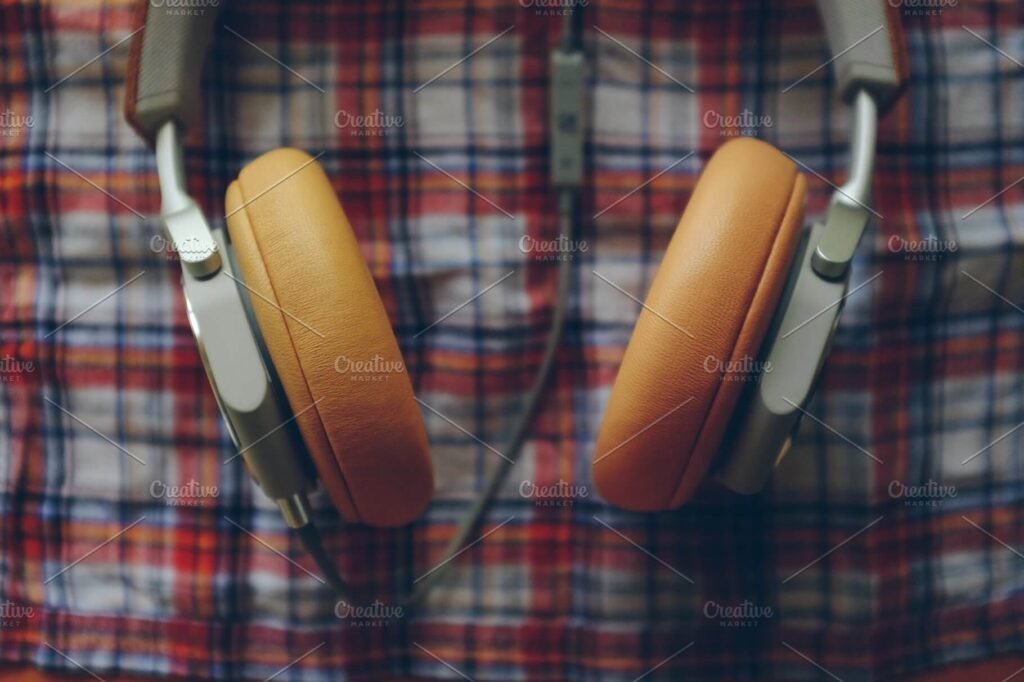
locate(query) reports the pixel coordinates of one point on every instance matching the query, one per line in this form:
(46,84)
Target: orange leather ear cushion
(706,315)
(321,316)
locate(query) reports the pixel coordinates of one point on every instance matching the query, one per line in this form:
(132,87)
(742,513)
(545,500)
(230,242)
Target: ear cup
(705,316)
(321,316)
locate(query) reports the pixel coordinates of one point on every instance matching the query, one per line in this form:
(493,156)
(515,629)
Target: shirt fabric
(889,539)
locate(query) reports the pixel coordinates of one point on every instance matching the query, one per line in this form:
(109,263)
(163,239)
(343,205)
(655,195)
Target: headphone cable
(567,146)
(310,537)
(470,521)
(567,174)
(311,541)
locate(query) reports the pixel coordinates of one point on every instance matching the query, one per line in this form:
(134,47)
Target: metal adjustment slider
(848,213)
(185,223)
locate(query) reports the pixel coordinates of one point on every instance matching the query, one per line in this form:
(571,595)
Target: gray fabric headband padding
(167,56)
(866,40)
(169,64)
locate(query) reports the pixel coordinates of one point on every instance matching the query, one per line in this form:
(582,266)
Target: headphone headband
(868,48)
(166,62)
(165,66)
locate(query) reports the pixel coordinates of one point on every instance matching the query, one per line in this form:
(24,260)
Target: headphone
(741,314)
(275,301)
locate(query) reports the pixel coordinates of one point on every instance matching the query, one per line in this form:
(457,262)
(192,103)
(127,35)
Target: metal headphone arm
(870,68)
(240,375)
(801,333)
(849,209)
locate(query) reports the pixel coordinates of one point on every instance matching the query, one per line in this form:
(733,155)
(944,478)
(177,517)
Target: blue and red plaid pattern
(890,539)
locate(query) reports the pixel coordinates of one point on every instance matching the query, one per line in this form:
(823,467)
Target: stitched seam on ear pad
(298,362)
(793,205)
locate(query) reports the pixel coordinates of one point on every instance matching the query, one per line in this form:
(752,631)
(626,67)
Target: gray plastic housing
(800,336)
(165,69)
(868,53)
(566,119)
(258,420)
(800,342)
(231,347)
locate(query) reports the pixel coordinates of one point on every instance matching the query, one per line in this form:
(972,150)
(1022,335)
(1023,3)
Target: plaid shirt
(889,540)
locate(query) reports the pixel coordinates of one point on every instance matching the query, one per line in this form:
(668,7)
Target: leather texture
(704,319)
(319,312)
